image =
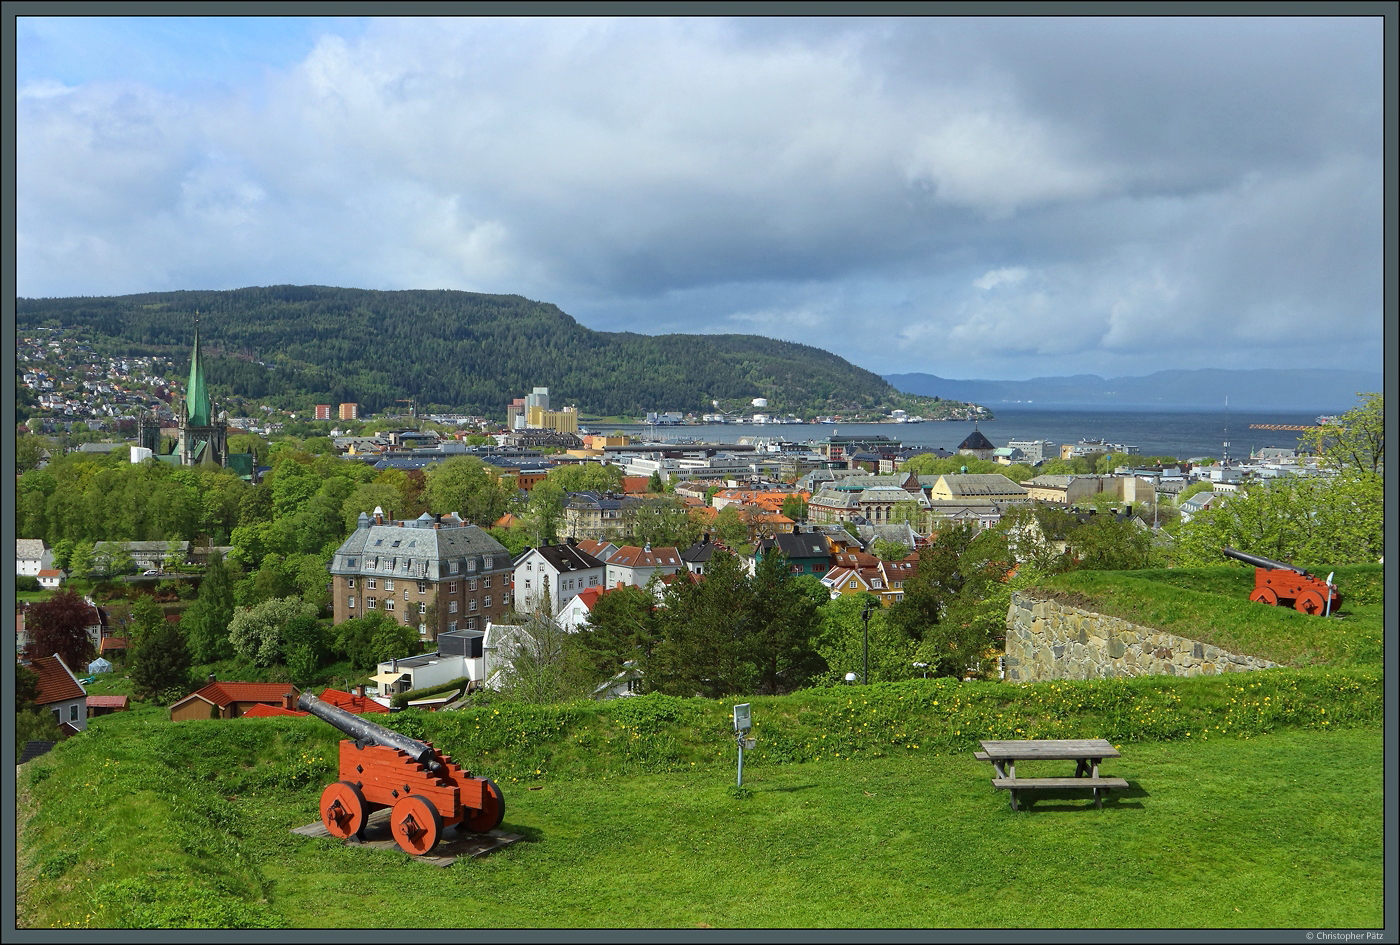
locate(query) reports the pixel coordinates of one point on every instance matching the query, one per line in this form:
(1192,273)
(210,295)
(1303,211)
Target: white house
(31,557)
(559,570)
(633,565)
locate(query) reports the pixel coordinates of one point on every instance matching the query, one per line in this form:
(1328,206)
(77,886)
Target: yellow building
(560,421)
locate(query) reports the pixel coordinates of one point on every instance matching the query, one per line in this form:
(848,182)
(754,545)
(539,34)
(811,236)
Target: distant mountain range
(1270,389)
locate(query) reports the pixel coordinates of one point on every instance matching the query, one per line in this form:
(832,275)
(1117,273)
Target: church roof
(976,441)
(197,391)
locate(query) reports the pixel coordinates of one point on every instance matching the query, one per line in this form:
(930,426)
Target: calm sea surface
(1155,432)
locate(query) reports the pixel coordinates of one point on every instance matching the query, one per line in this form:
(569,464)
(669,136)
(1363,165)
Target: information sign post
(742,725)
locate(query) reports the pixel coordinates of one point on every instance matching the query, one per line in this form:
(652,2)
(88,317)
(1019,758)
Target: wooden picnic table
(1086,753)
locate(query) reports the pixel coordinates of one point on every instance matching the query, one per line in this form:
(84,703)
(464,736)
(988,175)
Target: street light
(924,667)
(865,618)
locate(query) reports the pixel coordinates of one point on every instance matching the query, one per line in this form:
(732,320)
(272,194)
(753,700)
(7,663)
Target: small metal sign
(741,718)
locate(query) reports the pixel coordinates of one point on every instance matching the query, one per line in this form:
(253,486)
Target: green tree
(784,616)
(256,632)
(544,513)
(730,527)
(795,507)
(887,550)
(160,662)
(466,485)
(1106,544)
(587,477)
(1355,442)
(542,666)
(620,627)
(655,483)
(704,628)
(207,619)
(662,521)
(841,641)
(29,451)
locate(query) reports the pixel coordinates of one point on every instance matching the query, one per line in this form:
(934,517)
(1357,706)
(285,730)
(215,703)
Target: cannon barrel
(1259,562)
(363,729)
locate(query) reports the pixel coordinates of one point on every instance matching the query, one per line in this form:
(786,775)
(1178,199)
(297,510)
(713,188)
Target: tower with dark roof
(976,445)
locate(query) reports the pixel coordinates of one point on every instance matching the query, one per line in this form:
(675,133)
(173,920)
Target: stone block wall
(1049,640)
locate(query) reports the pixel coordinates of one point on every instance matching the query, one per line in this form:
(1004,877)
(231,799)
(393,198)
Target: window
(486,581)
(73,712)
(471,605)
(452,626)
(350,582)
(349,562)
(471,623)
(527,584)
(372,561)
(422,608)
(451,587)
(422,587)
(388,603)
(471,585)
(57,717)
(486,563)
(593,580)
(372,583)
(388,584)
(452,607)
(529,565)
(371,603)
(487,602)
(452,567)
(852,584)
(877,584)
(350,602)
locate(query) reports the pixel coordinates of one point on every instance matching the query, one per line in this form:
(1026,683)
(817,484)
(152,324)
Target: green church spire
(197,392)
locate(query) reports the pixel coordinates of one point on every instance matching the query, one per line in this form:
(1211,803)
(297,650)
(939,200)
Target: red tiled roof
(635,485)
(360,705)
(56,683)
(224,693)
(108,702)
(262,711)
(50,572)
(113,643)
(589,596)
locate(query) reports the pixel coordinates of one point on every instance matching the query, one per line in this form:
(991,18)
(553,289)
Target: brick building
(412,570)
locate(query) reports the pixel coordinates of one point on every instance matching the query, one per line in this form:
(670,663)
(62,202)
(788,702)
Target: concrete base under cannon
(449,849)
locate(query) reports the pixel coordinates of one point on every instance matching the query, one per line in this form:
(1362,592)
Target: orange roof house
(60,692)
(229,700)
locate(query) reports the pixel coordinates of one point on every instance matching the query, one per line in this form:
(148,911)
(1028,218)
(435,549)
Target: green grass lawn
(1276,830)
(1212,605)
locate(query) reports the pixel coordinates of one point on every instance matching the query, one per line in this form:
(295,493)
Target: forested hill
(299,345)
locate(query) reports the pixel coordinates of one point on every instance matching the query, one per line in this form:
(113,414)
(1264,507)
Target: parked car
(150,573)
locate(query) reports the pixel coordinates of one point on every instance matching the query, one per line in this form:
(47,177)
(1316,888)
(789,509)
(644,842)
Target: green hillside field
(1255,800)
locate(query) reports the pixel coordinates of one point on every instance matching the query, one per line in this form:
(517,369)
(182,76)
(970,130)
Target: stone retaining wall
(1049,640)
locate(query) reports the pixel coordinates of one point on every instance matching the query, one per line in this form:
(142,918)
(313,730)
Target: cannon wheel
(416,823)
(1308,602)
(493,809)
(1264,595)
(343,809)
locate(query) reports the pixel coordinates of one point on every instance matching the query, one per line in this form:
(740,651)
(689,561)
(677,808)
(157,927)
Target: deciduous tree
(59,626)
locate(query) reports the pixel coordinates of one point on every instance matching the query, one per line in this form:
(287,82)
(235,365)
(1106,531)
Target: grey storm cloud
(969,197)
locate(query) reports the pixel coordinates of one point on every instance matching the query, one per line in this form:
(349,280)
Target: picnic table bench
(1085,752)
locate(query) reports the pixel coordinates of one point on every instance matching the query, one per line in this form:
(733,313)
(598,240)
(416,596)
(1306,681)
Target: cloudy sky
(973,198)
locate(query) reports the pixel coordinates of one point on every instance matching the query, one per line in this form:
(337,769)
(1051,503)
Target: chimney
(360,690)
(289,700)
(210,680)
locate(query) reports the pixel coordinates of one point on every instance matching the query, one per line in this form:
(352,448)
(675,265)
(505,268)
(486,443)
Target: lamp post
(924,667)
(865,648)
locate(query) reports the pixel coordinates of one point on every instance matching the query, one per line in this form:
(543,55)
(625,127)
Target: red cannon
(1276,582)
(381,768)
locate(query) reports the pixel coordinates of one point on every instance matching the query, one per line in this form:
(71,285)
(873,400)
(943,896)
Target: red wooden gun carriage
(380,768)
(1276,582)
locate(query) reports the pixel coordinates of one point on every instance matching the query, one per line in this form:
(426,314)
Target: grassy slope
(631,823)
(1212,605)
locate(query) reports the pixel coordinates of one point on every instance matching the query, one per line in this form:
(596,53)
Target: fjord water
(1178,432)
